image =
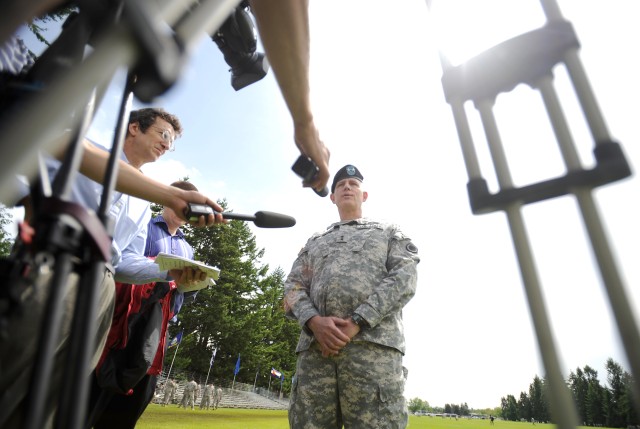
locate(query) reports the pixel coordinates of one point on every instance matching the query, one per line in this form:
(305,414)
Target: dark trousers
(112,410)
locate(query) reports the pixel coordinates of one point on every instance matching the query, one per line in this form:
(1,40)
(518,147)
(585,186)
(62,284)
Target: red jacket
(136,342)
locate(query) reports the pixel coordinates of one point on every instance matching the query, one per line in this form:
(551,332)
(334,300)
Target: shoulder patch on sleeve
(412,247)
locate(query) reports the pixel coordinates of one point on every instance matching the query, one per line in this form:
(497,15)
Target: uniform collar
(358,221)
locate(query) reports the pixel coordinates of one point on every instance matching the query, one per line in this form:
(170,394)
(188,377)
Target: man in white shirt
(150,133)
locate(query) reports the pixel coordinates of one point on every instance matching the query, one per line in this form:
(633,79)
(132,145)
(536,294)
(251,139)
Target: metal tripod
(132,38)
(530,58)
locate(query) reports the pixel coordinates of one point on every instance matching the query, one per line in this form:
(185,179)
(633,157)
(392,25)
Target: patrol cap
(344,173)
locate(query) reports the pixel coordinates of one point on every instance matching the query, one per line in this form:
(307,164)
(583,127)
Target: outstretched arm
(132,182)
(284,31)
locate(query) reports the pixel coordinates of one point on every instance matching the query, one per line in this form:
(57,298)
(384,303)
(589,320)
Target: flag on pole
(237,370)
(276,373)
(213,356)
(176,340)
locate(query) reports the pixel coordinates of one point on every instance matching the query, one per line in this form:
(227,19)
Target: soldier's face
(349,192)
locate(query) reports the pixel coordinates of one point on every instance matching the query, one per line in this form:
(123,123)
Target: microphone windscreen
(273,220)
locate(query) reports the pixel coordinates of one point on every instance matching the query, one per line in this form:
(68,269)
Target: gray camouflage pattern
(207,396)
(189,395)
(359,266)
(363,267)
(365,392)
(217,397)
(170,388)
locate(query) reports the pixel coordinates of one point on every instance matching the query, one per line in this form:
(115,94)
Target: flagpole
(236,371)
(256,379)
(178,338)
(213,358)
(174,358)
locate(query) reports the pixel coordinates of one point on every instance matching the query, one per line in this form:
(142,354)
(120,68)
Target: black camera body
(305,168)
(308,170)
(237,39)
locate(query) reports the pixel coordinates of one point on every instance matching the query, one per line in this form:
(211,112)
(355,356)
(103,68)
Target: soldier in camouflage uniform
(170,388)
(217,397)
(189,395)
(208,392)
(347,289)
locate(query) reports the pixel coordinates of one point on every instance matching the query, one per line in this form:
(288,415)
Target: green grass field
(157,417)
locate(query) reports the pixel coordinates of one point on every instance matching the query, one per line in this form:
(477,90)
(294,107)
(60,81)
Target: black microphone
(264,219)
(261,219)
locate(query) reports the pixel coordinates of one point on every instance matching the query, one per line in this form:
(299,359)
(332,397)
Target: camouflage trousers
(361,388)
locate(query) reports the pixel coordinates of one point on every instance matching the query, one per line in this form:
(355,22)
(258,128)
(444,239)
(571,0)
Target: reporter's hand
(181,200)
(187,276)
(307,139)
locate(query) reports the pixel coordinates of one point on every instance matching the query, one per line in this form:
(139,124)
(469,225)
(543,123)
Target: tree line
(417,404)
(597,405)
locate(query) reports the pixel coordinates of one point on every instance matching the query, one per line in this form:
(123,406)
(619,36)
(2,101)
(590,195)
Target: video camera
(237,40)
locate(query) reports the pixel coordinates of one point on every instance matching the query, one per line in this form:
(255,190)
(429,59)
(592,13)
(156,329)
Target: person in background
(217,398)
(170,388)
(189,395)
(207,397)
(347,289)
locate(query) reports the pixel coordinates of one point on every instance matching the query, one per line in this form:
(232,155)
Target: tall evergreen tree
(524,407)
(594,399)
(631,412)
(241,315)
(276,337)
(537,397)
(618,401)
(579,386)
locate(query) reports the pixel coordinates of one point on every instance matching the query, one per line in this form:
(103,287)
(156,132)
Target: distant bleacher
(238,395)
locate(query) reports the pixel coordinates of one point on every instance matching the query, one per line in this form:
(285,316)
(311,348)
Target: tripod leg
(562,406)
(49,339)
(92,319)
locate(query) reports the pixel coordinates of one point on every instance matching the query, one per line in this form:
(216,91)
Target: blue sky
(379,105)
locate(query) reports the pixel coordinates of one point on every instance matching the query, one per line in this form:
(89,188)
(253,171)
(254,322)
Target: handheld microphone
(261,219)
(308,170)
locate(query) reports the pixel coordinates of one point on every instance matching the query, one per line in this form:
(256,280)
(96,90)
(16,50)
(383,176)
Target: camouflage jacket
(358,266)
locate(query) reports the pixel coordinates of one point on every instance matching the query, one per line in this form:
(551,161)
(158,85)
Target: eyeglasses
(168,138)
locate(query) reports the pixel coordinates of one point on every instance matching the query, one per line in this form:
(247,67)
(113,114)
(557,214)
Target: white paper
(167,262)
